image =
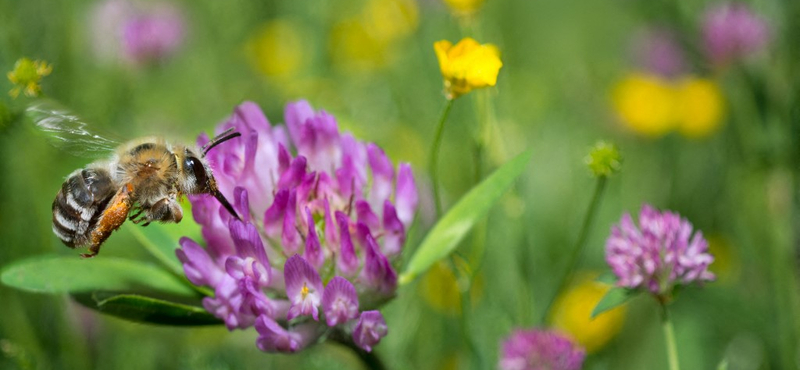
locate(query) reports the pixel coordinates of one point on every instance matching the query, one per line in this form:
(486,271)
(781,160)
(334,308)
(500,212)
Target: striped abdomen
(79,204)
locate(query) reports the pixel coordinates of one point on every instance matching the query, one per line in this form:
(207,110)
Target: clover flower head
(538,350)
(135,33)
(467,65)
(26,76)
(323,222)
(659,254)
(658,51)
(732,31)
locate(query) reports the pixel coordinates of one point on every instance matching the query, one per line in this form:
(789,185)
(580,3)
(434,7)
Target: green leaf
(452,227)
(139,308)
(614,297)
(162,241)
(607,277)
(70,274)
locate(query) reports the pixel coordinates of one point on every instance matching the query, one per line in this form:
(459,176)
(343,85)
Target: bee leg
(166,210)
(113,216)
(137,214)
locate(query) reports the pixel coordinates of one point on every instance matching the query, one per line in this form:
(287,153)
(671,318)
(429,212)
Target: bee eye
(193,166)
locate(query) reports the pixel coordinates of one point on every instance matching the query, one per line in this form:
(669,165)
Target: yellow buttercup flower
(700,107)
(276,48)
(653,106)
(26,76)
(464,6)
(467,65)
(572,312)
(646,104)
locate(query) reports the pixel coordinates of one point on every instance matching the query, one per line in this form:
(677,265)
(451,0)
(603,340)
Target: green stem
(432,166)
(669,338)
(370,360)
(577,251)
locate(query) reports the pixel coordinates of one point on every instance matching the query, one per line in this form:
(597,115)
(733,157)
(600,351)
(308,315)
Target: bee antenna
(211,188)
(219,139)
(226,204)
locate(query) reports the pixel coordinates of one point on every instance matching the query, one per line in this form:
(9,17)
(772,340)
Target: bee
(143,180)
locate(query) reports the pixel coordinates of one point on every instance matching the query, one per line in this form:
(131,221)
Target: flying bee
(142,180)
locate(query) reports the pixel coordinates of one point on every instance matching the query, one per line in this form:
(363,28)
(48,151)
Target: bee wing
(67,131)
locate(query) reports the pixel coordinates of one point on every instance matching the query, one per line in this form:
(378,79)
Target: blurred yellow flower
(646,104)
(276,48)
(26,76)
(439,288)
(700,107)
(572,312)
(468,65)
(464,6)
(390,20)
(369,40)
(653,106)
(726,266)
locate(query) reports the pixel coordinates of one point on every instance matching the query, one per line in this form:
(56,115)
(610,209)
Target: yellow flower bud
(604,159)
(572,313)
(700,107)
(26,76)
(467,65)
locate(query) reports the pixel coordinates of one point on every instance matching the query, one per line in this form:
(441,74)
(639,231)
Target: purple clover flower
(539,350)
(658,51)
(369,330)
(732,31)
(135,33)
(153,35)
(659,254)
(319,235)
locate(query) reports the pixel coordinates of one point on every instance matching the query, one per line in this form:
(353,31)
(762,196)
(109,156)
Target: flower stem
(432,166)
(369,359)
(669,338)
(577,250)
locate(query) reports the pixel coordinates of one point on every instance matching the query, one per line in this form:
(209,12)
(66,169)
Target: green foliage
(162,241)
(59,274)
(139,308)
(615,297)
(458,221)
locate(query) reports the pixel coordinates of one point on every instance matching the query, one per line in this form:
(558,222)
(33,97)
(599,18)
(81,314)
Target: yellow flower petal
(464,6)
(572,313)
(467,65)
(646,104)
(700,107)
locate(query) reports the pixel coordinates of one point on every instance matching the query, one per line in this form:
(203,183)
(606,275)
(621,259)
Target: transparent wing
(68,132)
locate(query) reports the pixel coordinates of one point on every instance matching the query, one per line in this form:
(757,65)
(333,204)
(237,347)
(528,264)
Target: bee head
(197,174)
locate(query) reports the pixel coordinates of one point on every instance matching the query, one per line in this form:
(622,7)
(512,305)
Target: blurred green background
(371,63)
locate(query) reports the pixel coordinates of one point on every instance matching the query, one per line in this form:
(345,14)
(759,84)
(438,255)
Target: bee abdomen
(79,204)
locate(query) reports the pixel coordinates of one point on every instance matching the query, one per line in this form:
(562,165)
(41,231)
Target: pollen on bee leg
(112,218)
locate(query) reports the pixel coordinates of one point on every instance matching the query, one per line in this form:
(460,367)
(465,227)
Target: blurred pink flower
(658,51)
(732,31)
(135,33)
(539,350)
